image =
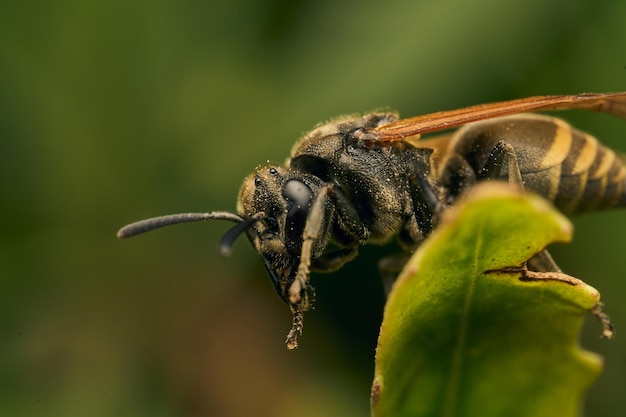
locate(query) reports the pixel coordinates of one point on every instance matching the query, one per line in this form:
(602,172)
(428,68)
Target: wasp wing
(612,103)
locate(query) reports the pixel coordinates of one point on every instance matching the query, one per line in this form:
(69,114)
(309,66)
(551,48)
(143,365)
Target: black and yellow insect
(368,179)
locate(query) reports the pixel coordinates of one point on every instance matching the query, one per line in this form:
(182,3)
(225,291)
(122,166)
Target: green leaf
(456,341)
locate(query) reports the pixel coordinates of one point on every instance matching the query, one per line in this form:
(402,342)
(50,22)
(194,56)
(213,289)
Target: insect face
(281,199)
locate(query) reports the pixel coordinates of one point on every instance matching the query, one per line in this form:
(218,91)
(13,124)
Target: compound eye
(298,194)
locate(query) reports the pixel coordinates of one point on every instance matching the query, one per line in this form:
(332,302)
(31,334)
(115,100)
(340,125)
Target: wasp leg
(543,262)
(457,177)
(350,229)
(298,297)
(389,267)
(351,224)
(426,202)
(332,261)
(530,275)
(312,228)
(542,267)
(495,161)
(296,328)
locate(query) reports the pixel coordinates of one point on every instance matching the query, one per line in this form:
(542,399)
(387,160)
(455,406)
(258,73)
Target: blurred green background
(113,111)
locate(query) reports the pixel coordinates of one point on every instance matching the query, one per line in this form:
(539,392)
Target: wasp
(368,179)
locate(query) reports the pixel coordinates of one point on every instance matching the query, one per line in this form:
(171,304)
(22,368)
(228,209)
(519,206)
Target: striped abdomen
(565,165)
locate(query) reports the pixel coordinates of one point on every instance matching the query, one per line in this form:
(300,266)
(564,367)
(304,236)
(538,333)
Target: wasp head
(279,201)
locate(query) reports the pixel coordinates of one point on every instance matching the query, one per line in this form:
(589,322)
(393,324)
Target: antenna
(227,241)
(147,225)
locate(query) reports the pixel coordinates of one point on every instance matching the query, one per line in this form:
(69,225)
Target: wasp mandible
(367,179)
